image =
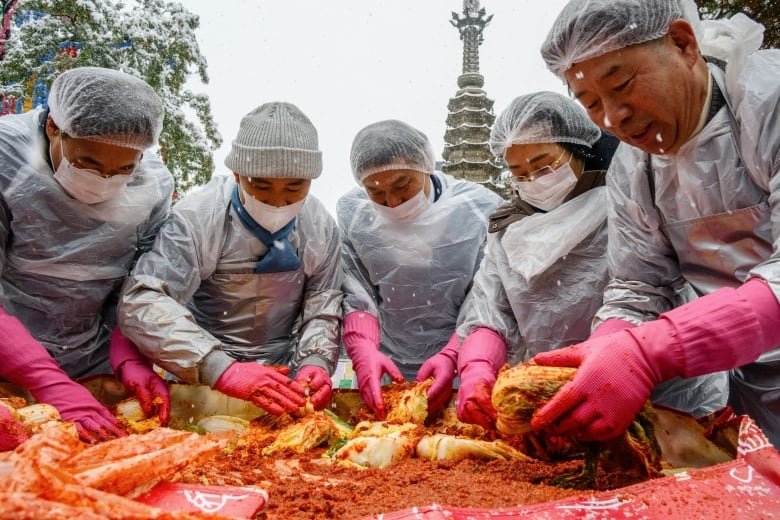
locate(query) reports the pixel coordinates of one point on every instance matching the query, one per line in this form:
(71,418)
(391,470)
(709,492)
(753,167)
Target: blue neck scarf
(280,256)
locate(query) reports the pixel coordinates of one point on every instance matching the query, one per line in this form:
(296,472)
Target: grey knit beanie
(276,140)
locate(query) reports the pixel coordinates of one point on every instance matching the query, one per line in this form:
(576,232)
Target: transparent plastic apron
(253,314)
(710,250)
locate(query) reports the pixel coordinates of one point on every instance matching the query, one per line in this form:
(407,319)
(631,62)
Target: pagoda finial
(471,23)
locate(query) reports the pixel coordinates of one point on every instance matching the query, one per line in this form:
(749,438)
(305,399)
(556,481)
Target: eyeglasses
(541,172)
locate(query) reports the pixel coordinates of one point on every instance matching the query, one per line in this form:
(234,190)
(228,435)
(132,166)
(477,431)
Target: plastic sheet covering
(414,277)
(539,240)
(748,487)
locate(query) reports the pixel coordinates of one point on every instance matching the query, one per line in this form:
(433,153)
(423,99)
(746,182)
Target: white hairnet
(587,29)
(107,106)
(390,145)
(542,117)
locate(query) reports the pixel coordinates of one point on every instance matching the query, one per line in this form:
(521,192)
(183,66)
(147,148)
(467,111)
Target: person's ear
(235,176)
(52,130)
(682,36)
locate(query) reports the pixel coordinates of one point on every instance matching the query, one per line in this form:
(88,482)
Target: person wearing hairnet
(244,280)
(412,239)
(545,266)
(692,194)
(79,201)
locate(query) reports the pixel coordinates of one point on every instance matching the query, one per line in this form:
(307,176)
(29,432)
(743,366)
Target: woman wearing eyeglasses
(542,277)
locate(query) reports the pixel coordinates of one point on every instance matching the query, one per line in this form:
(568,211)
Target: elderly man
(79,200)
(412,240)
(244,280)
(692,194)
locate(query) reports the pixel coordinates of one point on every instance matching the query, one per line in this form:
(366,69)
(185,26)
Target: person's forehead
(388,177)
(278,181)
(99,151)
(601,68)
(528,151)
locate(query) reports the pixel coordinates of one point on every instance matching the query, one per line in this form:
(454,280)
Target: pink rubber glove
(27,364)
(441,367)
(610,326)
(361,341)
(12,431)
(135,371)
(482,354)
(617,372)
(267,387)
(318,382)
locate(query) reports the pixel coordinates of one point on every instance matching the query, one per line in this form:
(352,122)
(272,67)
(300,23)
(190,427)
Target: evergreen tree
(152,39)
(767,12)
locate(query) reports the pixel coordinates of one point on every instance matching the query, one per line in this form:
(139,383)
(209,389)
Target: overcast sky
(349,63)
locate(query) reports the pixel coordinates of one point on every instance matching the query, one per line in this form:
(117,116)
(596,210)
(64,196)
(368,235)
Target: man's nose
(616,113)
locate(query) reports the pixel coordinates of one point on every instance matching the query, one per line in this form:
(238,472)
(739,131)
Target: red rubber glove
(267,387)
(318,381)
(135,371)
(614,380)
(27,364)
(441,367)
(361,341)
(482,354)
(617,372)
(12,431)
(610,326)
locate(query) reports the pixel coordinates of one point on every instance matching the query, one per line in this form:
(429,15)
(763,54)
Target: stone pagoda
(467,153)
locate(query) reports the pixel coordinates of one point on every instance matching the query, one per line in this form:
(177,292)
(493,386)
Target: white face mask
(406,211)
(87,185)
(270,217)
(548,191)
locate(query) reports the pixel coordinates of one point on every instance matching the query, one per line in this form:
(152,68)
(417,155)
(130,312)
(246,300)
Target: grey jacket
(194,304)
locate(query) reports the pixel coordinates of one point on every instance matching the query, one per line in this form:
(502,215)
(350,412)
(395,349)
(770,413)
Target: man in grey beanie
(244,281)
(692,196)
(79,201)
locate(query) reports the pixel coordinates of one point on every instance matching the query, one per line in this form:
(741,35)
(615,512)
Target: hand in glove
(441,367)
(614,380)
(267,387)
(27,364)
(482,354)
(361,341)
(319,384)
(135,371)
(610,326)
(617,372)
